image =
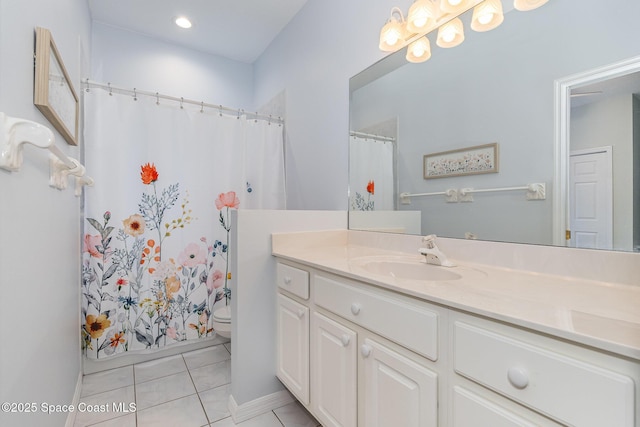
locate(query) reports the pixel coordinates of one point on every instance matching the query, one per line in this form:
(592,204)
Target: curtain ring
(135,95)
(269,119)
(202,107)
(157,98)
(110,89)
(220,110)
(87,89)
(181,101)
(256,119)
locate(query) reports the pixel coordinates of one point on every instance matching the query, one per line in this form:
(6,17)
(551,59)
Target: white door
(293,347)
(591,198)
(397,390)
(334,372)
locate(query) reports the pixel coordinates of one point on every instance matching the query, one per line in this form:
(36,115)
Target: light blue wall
(311,61)
(132,60)
(39,225)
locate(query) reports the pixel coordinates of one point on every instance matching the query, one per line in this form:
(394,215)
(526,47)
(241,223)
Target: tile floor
(187,390)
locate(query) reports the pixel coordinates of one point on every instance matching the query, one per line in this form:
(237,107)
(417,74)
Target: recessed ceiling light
(183,22)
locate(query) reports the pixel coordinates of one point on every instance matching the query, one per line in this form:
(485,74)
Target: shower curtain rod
(372,136)
(87,84)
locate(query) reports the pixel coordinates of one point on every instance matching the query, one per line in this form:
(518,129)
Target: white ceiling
(236,29)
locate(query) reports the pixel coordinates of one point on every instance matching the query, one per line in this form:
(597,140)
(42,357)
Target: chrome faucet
(432,253)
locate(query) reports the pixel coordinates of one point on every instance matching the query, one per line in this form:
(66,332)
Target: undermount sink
(407,269)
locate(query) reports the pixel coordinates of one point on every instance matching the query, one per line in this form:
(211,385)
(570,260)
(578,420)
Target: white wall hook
(59,173)
(537,191)
(451,195)
(81,181)
(15,133)
(405,199)
(466,195)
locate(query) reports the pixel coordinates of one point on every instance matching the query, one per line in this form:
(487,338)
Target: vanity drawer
(406,322)
(563,388)
(293,280)
(471,410)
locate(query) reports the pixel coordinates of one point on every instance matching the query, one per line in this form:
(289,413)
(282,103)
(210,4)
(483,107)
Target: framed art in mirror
(464,161)
(53,92)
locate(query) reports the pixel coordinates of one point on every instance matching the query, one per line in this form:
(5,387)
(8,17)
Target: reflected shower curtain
(371,174)
(156,230)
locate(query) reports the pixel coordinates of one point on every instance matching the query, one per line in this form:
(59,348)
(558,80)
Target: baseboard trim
(71,416)
(258,406)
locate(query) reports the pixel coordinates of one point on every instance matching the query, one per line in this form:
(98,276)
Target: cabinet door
(397,391)
(334,372)
(293,347)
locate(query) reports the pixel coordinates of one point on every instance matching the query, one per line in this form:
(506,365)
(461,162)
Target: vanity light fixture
(487,15)
(525,5)
(451,34)
(392,35)
(425,16)
(419,50)
(456,6)
(183,22)
(422,16)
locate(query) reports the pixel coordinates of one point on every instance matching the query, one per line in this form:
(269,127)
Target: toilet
(222,321)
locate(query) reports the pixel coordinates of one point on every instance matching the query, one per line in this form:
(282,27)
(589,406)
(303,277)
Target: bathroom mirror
(502,87)
(53,92)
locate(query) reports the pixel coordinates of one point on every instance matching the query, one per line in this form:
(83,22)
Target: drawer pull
(301,313)
(365,350)
(346,339)
(355,308)
(518,377)
(287,280)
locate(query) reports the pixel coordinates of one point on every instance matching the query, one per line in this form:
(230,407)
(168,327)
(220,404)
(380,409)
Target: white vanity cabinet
(334,373)
(293,319)
(356,354)
(568,384)
(355,376)
(397,391)
(293,347)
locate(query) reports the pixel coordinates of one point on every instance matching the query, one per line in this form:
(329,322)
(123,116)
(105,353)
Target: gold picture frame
(475,160)
(53,92)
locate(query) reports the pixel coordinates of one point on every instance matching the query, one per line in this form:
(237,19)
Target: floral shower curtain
(156,231)
(371,174)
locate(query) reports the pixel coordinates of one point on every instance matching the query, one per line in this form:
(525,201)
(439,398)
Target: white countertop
(598,314)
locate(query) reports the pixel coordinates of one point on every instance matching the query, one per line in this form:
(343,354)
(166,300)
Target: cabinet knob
(287,280)
(301,313)
(346,339)
(355,308)
(365,350)
(518,377)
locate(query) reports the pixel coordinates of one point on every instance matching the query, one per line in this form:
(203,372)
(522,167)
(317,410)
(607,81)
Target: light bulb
(485,18)
(420,21)
(391,38)
(448,34)
(419,50)
(487,15)
(454,2)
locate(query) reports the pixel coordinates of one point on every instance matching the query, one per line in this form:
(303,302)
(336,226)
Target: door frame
(562,117)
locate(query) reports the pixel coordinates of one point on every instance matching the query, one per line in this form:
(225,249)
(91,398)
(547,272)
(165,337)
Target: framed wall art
(53,92)
(464,161)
